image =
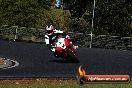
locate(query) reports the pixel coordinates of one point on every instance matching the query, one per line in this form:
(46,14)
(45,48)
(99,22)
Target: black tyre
(56,54)
(71,56)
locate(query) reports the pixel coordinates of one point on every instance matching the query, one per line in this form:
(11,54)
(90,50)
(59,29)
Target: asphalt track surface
(35,60)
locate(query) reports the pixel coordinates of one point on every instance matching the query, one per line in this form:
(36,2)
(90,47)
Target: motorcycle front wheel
(70,56)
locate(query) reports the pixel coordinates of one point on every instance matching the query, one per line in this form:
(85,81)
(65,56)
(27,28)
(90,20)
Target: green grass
(66,85)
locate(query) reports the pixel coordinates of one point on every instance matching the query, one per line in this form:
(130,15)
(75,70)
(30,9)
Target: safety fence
(15,33)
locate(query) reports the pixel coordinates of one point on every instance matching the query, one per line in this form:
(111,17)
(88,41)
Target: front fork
(70,47)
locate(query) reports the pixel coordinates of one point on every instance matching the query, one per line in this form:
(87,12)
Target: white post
(16,32)
(90,46)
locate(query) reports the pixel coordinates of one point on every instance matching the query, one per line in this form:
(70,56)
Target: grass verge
(58,84)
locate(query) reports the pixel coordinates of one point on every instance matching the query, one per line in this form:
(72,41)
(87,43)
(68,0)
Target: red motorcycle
(65,49)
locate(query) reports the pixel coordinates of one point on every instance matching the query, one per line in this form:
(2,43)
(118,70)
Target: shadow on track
(64,61)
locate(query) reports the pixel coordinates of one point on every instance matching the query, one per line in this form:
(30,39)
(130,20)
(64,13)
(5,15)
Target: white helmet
(50,29)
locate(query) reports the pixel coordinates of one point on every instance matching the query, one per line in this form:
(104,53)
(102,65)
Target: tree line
(112,17)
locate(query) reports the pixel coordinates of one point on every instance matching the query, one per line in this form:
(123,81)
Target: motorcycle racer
(51,37)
